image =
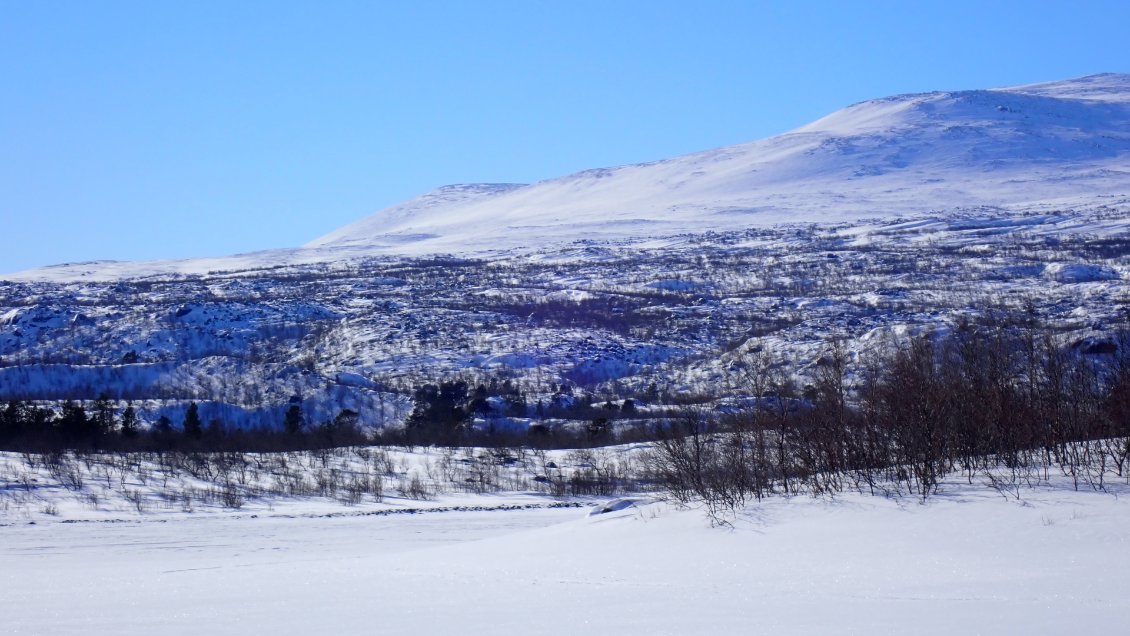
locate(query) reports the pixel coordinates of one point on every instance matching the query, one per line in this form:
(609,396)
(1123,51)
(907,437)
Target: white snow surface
(1050,146)
(967,561)
(1040,148)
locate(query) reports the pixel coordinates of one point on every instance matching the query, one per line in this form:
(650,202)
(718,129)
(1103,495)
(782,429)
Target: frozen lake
(969,561)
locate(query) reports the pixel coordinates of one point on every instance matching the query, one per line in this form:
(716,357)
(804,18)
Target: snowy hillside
(1054,146)
(1042,148)
(892,217)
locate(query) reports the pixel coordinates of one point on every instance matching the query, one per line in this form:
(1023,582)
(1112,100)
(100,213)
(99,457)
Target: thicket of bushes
(977,401)
(173,480)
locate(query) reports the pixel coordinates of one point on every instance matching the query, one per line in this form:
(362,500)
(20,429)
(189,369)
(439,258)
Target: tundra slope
(891,216)
(1037,148)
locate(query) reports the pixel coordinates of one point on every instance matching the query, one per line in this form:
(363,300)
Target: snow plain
(968,561)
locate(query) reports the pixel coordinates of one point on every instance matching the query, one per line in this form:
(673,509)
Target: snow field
(969,561)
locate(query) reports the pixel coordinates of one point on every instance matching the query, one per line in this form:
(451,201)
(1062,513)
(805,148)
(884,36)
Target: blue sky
(139,130)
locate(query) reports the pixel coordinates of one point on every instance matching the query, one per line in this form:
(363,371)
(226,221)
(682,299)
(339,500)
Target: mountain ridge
(960,149)
(1032,149)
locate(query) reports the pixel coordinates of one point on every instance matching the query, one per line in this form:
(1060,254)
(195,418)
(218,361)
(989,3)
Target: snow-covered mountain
(930,210)
(1056,147)
(1035,148)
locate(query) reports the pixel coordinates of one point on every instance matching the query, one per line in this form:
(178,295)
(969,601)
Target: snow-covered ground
(609,320)
(968,561)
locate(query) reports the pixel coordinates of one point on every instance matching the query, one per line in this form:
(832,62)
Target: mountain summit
(1039,147)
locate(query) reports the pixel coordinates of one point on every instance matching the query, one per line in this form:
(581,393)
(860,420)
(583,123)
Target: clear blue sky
(138,130)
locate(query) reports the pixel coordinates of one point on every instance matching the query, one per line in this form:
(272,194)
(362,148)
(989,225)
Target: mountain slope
(1038,147)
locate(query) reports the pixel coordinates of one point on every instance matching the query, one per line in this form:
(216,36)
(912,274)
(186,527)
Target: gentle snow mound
(617,505)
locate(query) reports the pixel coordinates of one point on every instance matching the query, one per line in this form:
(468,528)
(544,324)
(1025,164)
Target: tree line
(101,426)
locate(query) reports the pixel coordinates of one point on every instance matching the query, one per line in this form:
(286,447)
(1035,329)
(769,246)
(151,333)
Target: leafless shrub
(231,497)
(413,488)
(135,497)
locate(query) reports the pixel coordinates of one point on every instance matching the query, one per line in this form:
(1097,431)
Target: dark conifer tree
(73,423)
(193,427)
(103,416)
(11,421)
(294,422)
(129,421)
